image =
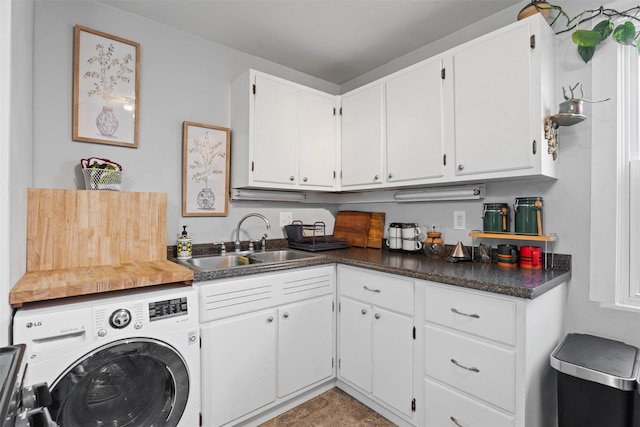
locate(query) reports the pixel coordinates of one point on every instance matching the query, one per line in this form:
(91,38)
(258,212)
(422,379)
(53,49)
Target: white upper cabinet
(414,123)
(283,134)
(362,137)
(503,87)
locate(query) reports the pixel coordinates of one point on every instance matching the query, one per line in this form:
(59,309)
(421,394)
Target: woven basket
(103,179)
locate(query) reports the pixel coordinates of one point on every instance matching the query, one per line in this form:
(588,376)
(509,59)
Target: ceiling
(334,40)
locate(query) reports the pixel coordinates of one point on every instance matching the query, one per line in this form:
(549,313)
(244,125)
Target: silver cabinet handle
(371,290)
(285,315)
(475,316)
(455,362)
(269,319)
(377,315)
(363,311)
(453,420)
(291,178)
(460,167)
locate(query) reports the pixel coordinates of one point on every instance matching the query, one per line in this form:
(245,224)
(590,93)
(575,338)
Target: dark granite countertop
(516,282)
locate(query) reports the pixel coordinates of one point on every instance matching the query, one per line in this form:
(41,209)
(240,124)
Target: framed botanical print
(106,85)
(205,170)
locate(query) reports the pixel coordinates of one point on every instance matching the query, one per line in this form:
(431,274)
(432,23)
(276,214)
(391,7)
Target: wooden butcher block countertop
(83,242)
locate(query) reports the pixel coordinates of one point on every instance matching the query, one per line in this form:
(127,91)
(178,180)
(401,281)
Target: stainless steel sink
(233,260)
(279,256)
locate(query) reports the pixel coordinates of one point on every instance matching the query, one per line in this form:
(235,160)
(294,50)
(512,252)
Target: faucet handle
(251,242)
(263,243)
(223,248)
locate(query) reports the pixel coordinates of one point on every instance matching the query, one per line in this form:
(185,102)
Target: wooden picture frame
(106,86)
(205,169)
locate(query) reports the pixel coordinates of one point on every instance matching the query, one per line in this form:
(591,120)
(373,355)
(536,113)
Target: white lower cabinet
(486,357)
(375,337)
(265,339)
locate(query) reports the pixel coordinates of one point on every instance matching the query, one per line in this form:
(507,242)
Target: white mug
(411,245)
(395,236)
(410,231)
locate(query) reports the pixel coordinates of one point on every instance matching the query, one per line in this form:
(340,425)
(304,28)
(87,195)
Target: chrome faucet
(266,221)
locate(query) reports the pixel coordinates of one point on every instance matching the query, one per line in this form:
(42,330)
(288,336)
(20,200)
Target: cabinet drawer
(377,288)
(305,283)
(219,299)
(480,315)
(475,367)
(445,407)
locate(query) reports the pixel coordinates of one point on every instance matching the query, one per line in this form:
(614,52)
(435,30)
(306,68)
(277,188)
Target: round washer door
(132,382)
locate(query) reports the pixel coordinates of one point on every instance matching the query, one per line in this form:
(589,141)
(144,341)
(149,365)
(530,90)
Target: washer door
(132,382)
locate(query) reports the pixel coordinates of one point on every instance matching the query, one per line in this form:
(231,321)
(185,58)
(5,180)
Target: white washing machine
(129,358)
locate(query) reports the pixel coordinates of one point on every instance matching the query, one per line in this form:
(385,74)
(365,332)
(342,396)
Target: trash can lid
(611,363)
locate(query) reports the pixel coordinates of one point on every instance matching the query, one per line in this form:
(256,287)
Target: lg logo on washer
(33,324)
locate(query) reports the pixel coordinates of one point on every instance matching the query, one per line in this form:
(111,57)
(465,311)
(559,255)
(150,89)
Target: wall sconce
(474,192)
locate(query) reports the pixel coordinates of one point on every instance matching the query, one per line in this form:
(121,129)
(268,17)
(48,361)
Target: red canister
(531,257)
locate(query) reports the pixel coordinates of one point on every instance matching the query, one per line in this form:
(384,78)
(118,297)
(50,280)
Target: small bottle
(184,244)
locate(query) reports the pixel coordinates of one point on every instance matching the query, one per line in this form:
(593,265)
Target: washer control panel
(168,308)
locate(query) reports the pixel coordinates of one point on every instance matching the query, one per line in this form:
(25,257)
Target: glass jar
(434,246)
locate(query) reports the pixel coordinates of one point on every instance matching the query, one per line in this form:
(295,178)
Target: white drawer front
(475,367)
(445,407)
(377,288)
(221,299)
(306,283)
(480,315)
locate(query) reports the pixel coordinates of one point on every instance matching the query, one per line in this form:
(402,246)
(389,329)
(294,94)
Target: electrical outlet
(459,220)
(286,218)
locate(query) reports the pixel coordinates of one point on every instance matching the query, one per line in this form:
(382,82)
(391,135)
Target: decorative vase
(107,121)
(206,198)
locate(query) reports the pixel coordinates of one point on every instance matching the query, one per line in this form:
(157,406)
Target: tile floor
(333,408)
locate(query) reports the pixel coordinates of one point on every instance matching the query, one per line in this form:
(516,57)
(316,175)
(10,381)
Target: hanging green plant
(587,40)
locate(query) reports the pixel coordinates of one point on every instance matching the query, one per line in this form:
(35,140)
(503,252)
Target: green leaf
(625,33)
(586,52)
(604,28)
(586,37)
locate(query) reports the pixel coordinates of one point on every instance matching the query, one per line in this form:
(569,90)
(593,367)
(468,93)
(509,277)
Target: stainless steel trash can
(596,380)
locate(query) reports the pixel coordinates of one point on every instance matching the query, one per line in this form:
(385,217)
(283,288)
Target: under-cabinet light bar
(267,195)
(439,194)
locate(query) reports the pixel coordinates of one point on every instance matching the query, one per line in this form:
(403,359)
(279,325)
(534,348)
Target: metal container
(495,218)
(528,215)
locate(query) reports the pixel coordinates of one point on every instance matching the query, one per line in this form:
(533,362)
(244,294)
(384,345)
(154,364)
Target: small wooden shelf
(510,236)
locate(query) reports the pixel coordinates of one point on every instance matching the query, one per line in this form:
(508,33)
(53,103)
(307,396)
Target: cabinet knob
(269,319)
(375,178)
(305,179)
(390,175)
(364,311)
(285,315)
(291,178)
(460,167)
(377,315)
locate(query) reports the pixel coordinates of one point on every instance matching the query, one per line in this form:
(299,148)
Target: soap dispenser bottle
(184,244)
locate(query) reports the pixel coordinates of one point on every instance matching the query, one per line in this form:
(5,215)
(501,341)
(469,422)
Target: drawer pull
(269,319)
(371,290)
(475,316)
(455,362)
(363,311)
(453,420)
(285,315)
(377,315)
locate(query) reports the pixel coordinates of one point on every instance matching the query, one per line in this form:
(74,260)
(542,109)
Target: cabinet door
(392,351)
(305,349)
(275,153)
(414,109)
(493,104)
(317,139)
(355,343)
(238,366)
(362,137)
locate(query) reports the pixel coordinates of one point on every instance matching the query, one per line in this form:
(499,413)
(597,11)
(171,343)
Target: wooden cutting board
(354,226)
(376,230)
